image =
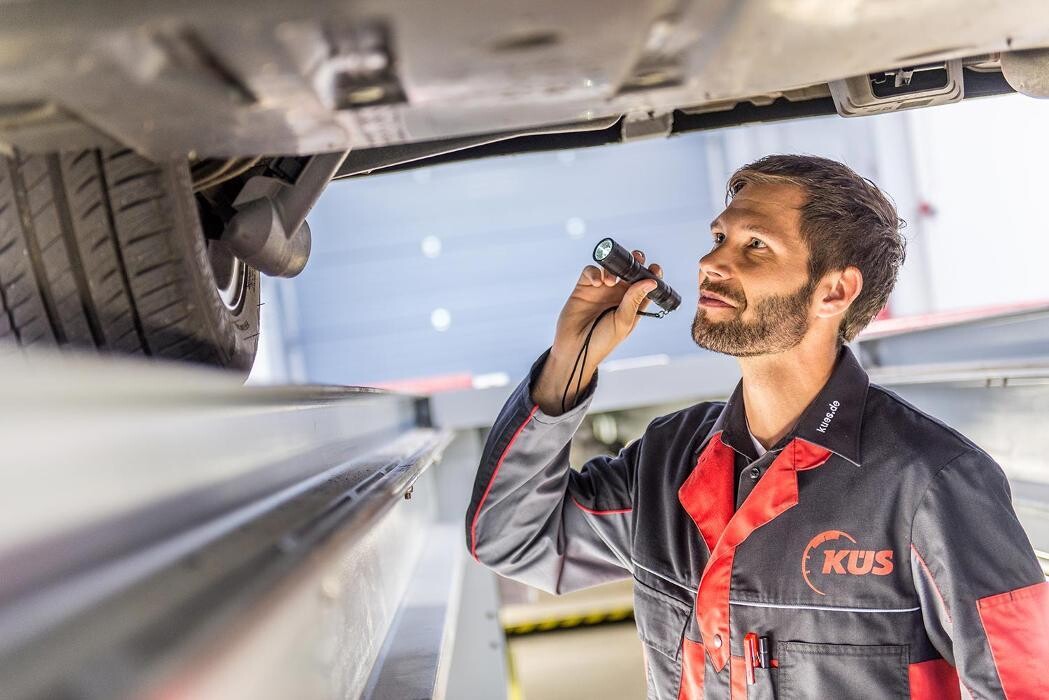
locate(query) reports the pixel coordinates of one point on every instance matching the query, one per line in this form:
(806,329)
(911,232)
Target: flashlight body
(619,261)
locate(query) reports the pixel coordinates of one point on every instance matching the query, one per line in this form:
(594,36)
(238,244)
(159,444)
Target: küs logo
(832,410)
(828,555)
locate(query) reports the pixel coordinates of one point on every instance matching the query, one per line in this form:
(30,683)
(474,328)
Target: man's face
(755,291)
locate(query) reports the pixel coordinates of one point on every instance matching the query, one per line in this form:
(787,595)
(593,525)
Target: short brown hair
(846,221)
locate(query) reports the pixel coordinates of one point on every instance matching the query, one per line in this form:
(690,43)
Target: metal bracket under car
(269,229)
(899,88)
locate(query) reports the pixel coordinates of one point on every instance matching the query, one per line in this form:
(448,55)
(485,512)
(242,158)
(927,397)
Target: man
(814,536)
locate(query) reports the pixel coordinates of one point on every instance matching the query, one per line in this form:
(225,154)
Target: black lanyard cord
(582,355)
(584,351)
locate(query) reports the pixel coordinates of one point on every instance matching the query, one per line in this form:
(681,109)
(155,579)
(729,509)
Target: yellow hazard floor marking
(554,623)
(514,690)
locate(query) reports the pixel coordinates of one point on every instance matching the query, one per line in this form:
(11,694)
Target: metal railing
(151,516)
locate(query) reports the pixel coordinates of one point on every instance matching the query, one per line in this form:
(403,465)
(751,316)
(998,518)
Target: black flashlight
(618,260)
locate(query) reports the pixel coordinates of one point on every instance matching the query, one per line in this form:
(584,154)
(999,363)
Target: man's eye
(755,243)
(718,238)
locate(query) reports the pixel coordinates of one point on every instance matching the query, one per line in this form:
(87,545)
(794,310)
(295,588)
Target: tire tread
(101,250)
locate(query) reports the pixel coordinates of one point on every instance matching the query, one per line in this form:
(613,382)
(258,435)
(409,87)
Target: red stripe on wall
(1017,627)
(487,490)
(934,680)
(881,328)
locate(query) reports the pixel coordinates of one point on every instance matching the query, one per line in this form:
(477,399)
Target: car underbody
(210,80)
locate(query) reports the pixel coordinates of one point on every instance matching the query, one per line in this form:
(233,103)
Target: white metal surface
(249,78)
(95,436)
(414,662)
(165,530)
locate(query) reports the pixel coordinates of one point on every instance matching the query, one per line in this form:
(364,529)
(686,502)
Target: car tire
(104,250)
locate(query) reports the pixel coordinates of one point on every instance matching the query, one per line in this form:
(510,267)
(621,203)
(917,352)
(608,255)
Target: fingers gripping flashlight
(618,260)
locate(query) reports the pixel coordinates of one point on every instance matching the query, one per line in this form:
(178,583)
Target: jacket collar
(833,420)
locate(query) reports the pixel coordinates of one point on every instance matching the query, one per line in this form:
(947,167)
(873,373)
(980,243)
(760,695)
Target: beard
(780,322)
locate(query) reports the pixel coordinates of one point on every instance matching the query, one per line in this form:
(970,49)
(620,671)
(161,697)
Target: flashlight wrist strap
(585,350)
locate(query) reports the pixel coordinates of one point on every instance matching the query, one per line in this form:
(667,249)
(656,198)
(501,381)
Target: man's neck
(777,388)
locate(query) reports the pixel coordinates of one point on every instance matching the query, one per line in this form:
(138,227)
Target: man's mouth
(713,301)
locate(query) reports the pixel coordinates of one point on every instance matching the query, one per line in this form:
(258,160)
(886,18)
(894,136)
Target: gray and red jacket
(875,548)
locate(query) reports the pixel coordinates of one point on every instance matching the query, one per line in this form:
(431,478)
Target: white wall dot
(575,227)
(431,246)
(566,157)
(441,319)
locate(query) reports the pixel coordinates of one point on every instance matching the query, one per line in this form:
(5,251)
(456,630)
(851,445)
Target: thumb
(632,300)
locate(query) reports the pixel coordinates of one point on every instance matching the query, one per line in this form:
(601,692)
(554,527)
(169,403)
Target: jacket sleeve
(532,517)
(983,594)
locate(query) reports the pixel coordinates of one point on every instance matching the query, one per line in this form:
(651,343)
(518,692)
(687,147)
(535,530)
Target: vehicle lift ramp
(166,532)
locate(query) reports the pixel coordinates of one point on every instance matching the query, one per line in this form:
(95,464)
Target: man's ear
(837,291)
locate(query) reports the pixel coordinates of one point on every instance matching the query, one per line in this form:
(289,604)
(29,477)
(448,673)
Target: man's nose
(714,265)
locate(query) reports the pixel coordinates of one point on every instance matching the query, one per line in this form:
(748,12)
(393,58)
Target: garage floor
(601,661)
(587,662)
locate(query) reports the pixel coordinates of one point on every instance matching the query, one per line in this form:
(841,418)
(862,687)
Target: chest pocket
(841,671)
(661,619)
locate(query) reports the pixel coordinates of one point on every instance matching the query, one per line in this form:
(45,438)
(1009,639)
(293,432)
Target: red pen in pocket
(750,656)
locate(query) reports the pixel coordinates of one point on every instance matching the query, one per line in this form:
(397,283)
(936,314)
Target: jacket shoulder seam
(932,479)
(680,414)
(896,398)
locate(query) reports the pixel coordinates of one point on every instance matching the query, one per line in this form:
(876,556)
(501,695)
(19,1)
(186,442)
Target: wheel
(105,250)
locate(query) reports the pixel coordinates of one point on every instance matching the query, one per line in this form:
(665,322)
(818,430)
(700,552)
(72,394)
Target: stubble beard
(780,323)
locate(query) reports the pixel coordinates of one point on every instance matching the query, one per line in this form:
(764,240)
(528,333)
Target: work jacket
(875,549)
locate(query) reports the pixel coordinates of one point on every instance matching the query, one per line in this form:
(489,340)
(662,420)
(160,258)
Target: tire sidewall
(235,333)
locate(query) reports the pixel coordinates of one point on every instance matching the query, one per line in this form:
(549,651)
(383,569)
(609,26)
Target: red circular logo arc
(825,536)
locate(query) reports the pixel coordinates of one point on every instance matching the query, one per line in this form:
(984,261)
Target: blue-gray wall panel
(508,259)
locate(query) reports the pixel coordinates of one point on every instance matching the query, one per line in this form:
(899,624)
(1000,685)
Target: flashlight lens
(603,249)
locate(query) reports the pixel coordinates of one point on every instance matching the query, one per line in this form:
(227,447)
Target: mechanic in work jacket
(874,547)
